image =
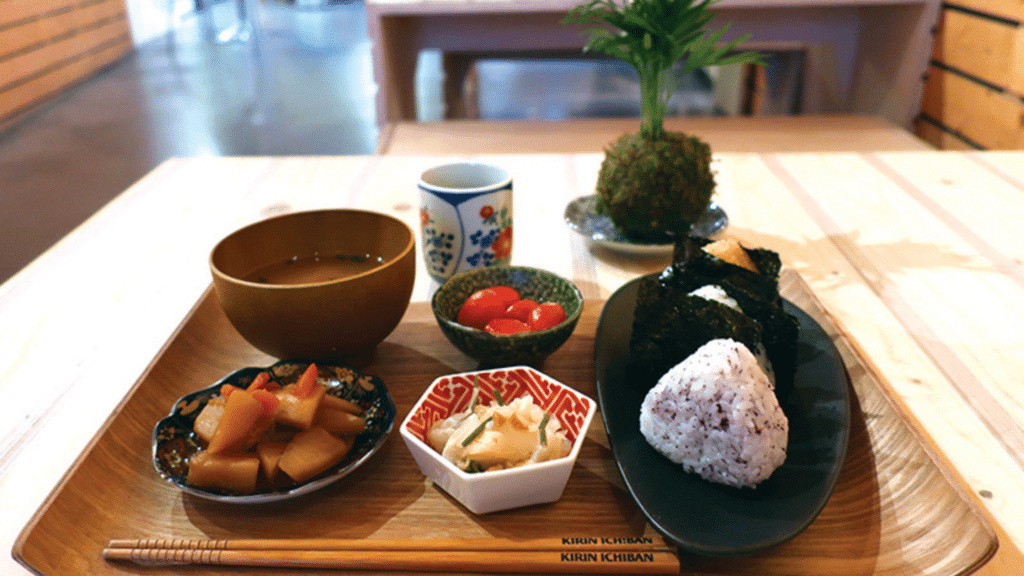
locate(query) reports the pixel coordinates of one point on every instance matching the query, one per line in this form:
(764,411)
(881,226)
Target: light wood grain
(46,47)
(19,10)
(604,542)
(977,78)
(1010,9)
(885,276)
(579,555)
(940,136)
(836,133)
(984,48)
(914,254)
(447,561)
(114,484)
(987,116)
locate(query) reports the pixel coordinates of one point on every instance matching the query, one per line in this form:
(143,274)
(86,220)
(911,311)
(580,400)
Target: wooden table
(823,133)
(860,56)
(915,255)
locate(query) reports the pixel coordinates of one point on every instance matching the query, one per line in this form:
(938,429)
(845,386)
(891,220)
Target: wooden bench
(862,56)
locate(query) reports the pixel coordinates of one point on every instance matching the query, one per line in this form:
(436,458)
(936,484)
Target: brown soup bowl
(319,285)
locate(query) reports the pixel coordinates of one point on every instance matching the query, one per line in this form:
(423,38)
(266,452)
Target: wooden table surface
(803,133)
(917,255)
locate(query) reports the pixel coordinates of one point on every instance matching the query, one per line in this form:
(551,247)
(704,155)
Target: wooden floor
(186,95)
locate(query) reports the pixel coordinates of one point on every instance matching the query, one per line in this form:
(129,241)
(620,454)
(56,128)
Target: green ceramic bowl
(528,348)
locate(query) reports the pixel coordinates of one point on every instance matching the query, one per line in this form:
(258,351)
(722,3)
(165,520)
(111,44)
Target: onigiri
(716,414)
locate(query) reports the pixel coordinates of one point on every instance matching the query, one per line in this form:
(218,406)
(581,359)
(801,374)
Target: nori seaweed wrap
(669,324)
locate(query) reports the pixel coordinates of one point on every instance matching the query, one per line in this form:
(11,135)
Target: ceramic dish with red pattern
(563,413)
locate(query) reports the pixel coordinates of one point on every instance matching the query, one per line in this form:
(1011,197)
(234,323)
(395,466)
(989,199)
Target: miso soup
(311,269)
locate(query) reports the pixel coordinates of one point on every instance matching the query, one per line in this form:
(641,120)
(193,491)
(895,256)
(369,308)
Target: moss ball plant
(655,182)
(650,187)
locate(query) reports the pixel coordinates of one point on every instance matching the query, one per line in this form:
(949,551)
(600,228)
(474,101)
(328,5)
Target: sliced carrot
(305,384)
(227,389)
(268,399)
(241,413)
(259,382)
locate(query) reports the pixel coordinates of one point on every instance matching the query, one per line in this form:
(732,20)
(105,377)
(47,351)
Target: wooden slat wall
(974,93)
(47,46)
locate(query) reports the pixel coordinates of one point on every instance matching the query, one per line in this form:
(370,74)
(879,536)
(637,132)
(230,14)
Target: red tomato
(480,308)
(520,310)
(507,294)
(546,315)
(506,326)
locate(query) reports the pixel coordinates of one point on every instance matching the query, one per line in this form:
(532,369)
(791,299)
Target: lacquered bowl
(491,350)
(320,285)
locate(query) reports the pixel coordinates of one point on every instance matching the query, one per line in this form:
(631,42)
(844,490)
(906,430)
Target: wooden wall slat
(990,118)
(50,85)
(31,63)
(941,139)
(88,14)
(18,10)
(975,85)
(984,48)
(1011,9)
(47,46)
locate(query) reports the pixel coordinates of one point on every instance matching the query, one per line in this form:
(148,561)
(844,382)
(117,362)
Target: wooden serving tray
(896,510)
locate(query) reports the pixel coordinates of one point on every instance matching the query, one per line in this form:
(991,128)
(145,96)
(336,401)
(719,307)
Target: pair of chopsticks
(597,555)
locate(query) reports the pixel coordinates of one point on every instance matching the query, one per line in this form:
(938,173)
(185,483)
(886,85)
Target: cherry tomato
(506,326)
(520,310)
(507,294)
(480,308)
(546,315)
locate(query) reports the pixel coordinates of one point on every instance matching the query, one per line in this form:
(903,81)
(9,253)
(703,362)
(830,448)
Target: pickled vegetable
(241,413)
(311,452)
(206,423)
(298,429)
(299,410)
(269,454)
(338,421)
(229,472)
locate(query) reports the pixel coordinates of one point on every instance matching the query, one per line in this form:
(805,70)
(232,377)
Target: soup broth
(310,269)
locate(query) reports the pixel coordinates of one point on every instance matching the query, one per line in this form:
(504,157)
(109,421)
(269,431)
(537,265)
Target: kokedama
(656,183)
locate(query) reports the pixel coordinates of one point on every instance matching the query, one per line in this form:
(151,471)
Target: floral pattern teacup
(465,218)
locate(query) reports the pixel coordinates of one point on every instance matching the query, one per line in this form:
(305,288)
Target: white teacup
(465,218)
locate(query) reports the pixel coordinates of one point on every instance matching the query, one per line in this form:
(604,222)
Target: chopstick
(640,555)
(578,544)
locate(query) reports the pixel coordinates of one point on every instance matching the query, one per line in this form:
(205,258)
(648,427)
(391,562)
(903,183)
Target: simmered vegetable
(231,472)
(268,434)
(311,452)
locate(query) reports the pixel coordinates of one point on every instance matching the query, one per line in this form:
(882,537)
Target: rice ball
(716,414)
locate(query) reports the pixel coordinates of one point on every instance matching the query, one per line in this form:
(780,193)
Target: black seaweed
(669,325)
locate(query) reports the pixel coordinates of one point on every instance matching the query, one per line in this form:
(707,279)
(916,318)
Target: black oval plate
(712,519)
(174,439)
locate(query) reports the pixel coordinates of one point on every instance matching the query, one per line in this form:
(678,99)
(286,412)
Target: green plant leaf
(651,36)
